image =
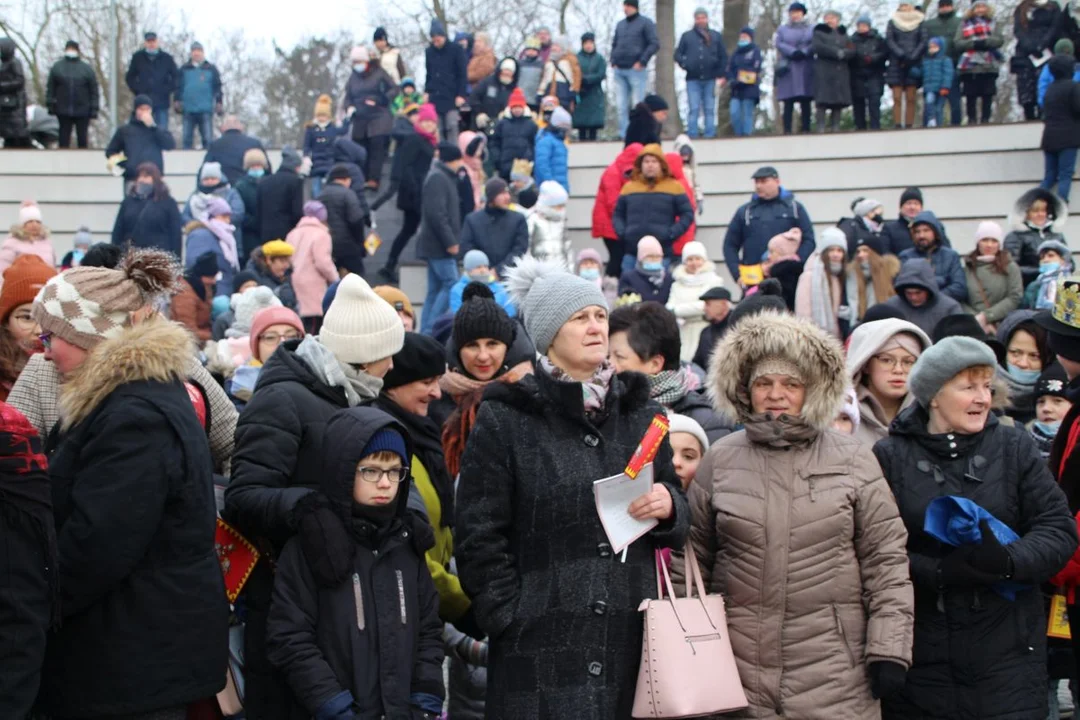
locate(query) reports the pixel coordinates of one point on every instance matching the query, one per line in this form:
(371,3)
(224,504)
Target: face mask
(879,218)
(1048,267)
(590,273)
(835,267)
(72,55)
(152,53)
(652,266)
(1026,377)
(359,67)
(256,172)
(480,276)
(76,256)
(1048,429)
(143,190)
(744,43)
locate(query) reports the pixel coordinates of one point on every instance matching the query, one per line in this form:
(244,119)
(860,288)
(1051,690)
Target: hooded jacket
(19,243)
(376,636)
(948,269)
(140,144)
(514,139)
(643,127)
(678,171)
(918,273)
(1024,239)
(660,208)
(993,293)
(346,220)
(13,123)
(552,157)
(548,236)
(755,223)
(805,622)
(543,579)
(977,655)
(612,180)
(313,269)
(490,95)
(134,508)
(684,302)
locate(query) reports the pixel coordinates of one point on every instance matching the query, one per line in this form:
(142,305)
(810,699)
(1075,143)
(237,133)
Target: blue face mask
(1048,267)
(152,53)
(1026,377)
(590,273)
(652,266)
(1048,429)
(483,277)
(77,256)
(744,43)
(256,172)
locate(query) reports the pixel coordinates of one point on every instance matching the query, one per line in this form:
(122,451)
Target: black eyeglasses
(373,474)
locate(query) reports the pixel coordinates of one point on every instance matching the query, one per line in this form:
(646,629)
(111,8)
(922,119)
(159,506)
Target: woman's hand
(656,503)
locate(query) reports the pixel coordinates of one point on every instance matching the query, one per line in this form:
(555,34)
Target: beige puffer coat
(798,529)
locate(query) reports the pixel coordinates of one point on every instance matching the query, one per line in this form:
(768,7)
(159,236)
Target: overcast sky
(272,20)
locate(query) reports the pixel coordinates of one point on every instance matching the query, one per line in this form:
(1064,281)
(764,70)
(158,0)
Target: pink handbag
(687,666)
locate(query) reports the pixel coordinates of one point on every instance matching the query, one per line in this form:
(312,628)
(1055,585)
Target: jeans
(161,117)
(80,124)
(933,110)
(200,121)
(742,117)
(701,95)
(441,276)
(317,186)
(448,127)
(956,113)
(1060,167)
(629,91)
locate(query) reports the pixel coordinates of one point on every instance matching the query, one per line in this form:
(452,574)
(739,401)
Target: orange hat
(22,281)
(396,298)
(517,98)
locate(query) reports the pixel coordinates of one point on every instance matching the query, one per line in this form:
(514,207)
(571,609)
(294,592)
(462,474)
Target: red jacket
(675,163)
(615,176)
(1069,577)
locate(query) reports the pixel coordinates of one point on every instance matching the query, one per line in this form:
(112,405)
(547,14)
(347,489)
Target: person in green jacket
(590,111)
(944,25)
(994,282)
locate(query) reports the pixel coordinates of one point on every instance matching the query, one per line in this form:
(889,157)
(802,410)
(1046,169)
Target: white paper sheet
(613,497)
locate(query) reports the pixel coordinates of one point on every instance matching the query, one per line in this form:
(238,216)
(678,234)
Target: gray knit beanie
(943,361)
(548,296)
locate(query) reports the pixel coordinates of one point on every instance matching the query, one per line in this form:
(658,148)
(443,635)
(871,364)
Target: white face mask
(72,54)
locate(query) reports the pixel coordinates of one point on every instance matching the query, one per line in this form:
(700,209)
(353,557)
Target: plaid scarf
(977,28)
(594,390)
(670,386)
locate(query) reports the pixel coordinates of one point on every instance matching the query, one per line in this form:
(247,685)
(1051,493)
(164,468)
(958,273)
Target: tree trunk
(665,65)
(736,17)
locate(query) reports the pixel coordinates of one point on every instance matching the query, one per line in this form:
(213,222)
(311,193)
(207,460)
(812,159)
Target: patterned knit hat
(548,297)
(481,317)
(246,306)
(85,305)
(23,279)
(360,327)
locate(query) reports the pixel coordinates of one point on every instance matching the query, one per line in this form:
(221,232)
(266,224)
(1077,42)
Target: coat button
(595,668)
(604,550)
(591,440)
(599,607)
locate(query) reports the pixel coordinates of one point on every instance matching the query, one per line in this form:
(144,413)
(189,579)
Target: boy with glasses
(371,645)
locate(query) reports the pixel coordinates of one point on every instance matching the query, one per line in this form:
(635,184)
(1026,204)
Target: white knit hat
(359,53)
(246,306)
(28,212)
(686,424)
(360,327)
(694,249)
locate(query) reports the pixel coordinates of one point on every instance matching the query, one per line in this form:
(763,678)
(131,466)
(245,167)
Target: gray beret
(942,361)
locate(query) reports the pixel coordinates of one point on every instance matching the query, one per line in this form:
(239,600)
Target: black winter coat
(373,85)
(447,75)
(1042,30)
(149,223)
(976,654)
(642,128)
(281,204)
(72,89)
(345,219)
(906,50)
(833,51)
(440,216)
(513,139)
(635,282)
(707,342)
(412,161)
(248,189)
(635,41)
(490,96)
(12,93)
(503,235)
(560,609)
(1061,115)
(858,232)
(141,144)
(229,150)
(314,633)
(153,75)
(701,60)
(145,618)
(868,65)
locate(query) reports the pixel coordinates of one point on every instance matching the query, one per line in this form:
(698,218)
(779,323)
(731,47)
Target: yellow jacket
(453,602)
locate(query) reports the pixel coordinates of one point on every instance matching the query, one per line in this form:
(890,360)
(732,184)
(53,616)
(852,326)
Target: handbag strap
(692,575)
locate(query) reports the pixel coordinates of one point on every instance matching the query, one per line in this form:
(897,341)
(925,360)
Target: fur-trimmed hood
(19,233)
(156,350)
(772,334)
(1056,205)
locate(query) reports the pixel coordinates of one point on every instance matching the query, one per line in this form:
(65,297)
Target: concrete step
(92,162)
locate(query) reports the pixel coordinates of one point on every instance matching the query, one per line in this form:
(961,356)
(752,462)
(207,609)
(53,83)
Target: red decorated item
(646,449)
(237,557)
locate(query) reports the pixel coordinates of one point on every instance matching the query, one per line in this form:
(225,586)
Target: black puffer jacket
(72,89)
(145,619)
(490,95)
(12,93)
(1024,239)
(868,67)
(345,218)
(976,654)
(280,203)
(149,223)
(140,144)
(906,50)
(513,139)
(561,610)
(313,634)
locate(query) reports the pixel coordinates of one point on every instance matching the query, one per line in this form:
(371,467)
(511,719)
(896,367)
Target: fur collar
(907,21)
(19,233)
(156,349)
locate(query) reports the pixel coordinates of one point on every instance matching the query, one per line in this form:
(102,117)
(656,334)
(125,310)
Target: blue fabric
(201,240)
(701,96)
(502,297)
(338,707)
(937,71)
(199,87)
(1060,167)
(955,521)
(701,61)
(442,273)
(552,159)
(427,702)
(200,120)
(742,116)
(948,268)
(757,222)
(1045,78)
(629,91)
(747,58)
(319,146)
(934,109)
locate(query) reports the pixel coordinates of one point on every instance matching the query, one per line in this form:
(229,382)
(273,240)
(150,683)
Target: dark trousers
(862,106)
(615,256)
(377,148)
(956,113)
(312,324)
(973,114)
(408,228)
(587,134)
(804,114)
(81,124)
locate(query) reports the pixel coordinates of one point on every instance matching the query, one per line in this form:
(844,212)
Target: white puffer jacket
(548,239)
(684,302)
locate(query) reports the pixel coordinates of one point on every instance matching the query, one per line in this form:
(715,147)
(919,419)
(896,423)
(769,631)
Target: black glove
(981,45)
(468,625)
(990,556)
(324,539)
(798,55)
(886,678)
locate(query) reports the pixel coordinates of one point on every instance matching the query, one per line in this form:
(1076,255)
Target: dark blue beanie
(387,440)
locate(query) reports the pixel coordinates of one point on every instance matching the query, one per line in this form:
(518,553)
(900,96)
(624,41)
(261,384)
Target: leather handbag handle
(693,574)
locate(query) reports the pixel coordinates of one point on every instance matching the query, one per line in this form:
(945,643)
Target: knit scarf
(782,432)
(430,137)
(1021,395)
(977,28)
(670,386)
(1043,441)
(457,384)
(706,36)
(224,233)
(594,390)
(357,384)
(907,20)
(655,277)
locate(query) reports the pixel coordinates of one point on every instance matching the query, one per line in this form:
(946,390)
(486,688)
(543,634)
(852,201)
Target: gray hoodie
(919,273)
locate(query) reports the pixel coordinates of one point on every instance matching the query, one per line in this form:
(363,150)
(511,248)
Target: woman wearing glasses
(880,356)
(269,328)
(18,329)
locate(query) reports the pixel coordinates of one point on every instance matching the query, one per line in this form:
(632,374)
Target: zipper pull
(401,597)
(358,595)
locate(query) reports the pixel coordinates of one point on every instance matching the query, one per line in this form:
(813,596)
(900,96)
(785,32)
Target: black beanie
(380,34)
(1052,381)
(769,296)
(481,317)
(1067,346)
(912,193)
(205,266)
(420,358)
(242,277)
(881,311)
(493,188)
(448,152)
(655,103)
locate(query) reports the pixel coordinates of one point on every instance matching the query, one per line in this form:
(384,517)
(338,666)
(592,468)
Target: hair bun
(476,290)
(154,272)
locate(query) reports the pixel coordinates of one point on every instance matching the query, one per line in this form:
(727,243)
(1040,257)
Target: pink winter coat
(17,243)
(313,265)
